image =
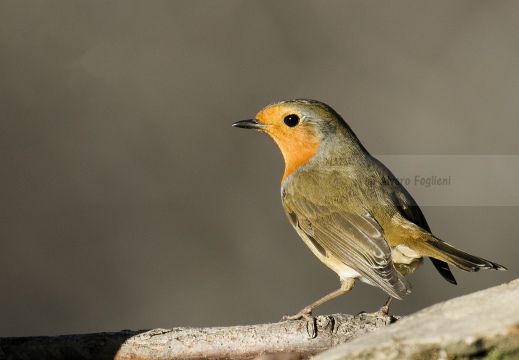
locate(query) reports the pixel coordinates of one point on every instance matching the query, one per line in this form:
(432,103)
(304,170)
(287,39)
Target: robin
(348,208)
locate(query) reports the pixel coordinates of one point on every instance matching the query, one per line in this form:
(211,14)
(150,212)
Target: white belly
(402,254)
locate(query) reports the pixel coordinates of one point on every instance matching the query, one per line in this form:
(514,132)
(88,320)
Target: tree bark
(237,342)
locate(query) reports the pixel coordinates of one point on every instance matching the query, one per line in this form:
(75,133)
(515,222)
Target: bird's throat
(297,151)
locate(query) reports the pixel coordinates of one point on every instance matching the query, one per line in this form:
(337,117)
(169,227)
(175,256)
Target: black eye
(291,120)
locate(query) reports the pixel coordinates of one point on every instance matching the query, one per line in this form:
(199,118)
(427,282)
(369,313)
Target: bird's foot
(306,314)
(382,312)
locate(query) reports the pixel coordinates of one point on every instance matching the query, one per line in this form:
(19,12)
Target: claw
(311,326)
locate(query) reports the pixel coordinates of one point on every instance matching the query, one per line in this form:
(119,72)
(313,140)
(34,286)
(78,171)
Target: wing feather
(355,240)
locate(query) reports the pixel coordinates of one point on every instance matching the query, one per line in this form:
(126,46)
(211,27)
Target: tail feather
(443,269)
(461,259)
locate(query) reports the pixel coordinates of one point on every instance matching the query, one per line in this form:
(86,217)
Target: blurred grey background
(129,202)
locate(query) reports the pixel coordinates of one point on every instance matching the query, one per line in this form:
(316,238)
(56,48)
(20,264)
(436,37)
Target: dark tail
(443,269)
(461,259)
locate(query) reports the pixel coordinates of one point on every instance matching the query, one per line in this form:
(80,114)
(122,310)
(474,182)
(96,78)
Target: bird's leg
(306,312)
(385,309)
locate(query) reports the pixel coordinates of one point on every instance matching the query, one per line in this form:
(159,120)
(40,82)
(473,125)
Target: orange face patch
(298,144)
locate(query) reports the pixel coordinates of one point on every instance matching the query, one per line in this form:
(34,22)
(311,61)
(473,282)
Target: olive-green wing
(355,240)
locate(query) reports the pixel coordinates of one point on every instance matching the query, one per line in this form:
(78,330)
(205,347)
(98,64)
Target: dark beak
(249,124)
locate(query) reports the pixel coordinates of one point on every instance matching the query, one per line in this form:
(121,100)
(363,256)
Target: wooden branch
(237,342)
(476,326)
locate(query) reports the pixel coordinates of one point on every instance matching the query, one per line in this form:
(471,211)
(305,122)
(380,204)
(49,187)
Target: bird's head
(301,128)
